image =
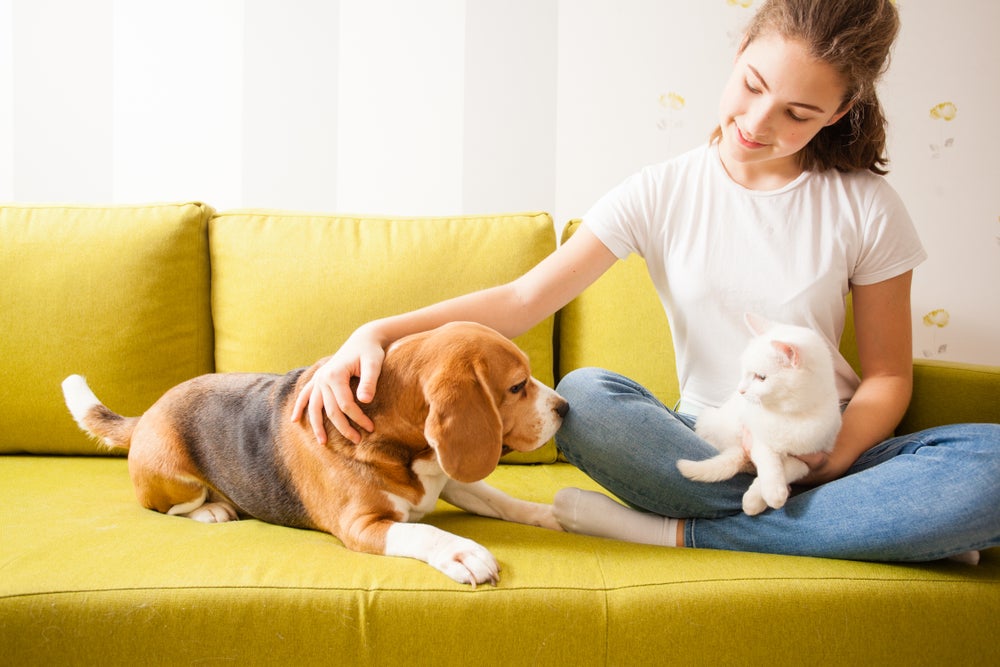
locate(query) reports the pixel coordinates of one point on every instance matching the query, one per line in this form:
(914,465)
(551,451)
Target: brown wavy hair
(854,37)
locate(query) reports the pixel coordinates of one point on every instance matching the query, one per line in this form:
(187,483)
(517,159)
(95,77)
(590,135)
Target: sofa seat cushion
(118,294)
(89,577)
(289,288)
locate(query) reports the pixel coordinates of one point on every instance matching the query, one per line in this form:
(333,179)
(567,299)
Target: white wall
(466,106)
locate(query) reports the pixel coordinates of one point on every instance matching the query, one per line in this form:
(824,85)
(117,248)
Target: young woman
(782,213)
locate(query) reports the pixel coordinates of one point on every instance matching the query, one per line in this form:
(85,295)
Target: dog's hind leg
(188,498)
(217,511)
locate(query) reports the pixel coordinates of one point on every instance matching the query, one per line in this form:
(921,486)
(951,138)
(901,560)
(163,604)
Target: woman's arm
(511,309)
(885,346)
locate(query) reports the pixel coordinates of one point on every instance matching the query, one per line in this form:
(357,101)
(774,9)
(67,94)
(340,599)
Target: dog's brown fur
(455,397)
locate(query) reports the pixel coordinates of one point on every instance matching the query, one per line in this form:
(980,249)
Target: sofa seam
(267,213)
(605,589)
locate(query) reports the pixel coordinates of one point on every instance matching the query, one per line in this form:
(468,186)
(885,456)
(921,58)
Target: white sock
(590,513)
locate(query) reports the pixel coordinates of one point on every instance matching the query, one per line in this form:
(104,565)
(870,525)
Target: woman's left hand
(823,467)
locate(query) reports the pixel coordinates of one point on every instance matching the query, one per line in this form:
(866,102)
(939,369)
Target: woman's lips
(747,142)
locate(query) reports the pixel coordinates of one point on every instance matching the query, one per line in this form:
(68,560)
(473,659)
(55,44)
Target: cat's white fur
(788,405)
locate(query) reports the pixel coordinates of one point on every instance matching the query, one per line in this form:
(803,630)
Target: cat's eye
(519,387)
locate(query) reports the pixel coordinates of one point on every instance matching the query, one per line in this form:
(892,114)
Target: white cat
(787,402)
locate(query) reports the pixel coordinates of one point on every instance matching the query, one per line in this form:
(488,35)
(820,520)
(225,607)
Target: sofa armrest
(952,393)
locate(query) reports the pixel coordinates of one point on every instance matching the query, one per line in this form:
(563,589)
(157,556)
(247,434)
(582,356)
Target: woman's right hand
(329,390)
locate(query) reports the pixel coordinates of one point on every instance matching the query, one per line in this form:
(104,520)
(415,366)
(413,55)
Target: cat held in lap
(786,406)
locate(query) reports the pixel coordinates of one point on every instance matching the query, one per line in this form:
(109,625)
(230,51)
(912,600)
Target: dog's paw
(467,563)
(217,512)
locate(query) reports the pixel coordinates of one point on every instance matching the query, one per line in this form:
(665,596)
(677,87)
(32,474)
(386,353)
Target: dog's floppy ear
(463,423)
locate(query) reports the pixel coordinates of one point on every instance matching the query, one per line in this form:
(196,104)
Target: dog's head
(482,399)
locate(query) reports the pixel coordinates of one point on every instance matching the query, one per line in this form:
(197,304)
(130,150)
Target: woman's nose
(758,119)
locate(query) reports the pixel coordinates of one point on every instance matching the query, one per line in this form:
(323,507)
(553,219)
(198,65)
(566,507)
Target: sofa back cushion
(117,294)
(289,288)
(618,323)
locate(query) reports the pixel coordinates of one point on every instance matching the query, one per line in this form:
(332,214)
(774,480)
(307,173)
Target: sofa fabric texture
(140,298)
(119,294)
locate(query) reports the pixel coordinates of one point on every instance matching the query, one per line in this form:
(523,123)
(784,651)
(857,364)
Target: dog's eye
(519,387)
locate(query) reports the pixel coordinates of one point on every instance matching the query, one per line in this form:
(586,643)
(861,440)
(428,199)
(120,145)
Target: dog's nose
(562,407)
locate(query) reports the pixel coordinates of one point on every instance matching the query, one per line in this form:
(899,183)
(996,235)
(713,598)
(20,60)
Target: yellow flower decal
(937,318)
(672,101)
(739,3)
(945,111)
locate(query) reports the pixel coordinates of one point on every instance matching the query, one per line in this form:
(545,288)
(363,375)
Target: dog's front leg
(481,498)
(463,560)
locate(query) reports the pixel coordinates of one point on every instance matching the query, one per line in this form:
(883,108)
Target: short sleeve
(890,244)
(617,219)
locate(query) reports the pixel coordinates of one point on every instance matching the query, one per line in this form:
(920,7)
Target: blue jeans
(916,497)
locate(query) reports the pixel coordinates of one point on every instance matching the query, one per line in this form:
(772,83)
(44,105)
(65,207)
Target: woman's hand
(823,467)
(329,389)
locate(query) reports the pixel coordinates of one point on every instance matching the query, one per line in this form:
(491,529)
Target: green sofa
(141,298)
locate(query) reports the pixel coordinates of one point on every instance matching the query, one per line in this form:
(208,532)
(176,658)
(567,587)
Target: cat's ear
(757,323)
(789,353)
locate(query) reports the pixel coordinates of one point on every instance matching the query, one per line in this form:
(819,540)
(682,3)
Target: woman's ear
(463,424)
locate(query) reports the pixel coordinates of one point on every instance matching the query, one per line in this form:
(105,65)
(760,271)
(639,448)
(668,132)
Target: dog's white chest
(433,480)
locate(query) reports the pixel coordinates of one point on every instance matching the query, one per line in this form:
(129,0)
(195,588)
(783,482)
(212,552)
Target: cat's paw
(753,502)
(774,494)
(762,495)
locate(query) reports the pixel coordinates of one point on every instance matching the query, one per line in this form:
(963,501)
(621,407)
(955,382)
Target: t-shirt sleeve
(890,245)
(617,217)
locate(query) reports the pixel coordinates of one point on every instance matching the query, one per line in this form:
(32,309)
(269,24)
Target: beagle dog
(450,402)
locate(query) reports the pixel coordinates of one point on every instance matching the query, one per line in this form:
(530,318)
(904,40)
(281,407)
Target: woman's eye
(759,377)
(519,387)
(750,87)
(798,119)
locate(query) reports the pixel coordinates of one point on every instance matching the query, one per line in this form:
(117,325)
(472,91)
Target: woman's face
(777,99)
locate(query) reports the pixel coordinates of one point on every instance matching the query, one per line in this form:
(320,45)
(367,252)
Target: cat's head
(783,362)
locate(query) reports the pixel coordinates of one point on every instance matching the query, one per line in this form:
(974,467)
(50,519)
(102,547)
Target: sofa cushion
(141,587)
(289,288)
(950,392)
(118,294)
(618,323)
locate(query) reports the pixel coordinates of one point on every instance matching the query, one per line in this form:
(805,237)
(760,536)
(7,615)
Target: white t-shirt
(716,250)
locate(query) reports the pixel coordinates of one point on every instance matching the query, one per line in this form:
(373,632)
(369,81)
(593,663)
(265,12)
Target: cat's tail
(724,465)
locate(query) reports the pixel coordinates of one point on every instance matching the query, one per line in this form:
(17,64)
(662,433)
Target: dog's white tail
(113,430)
